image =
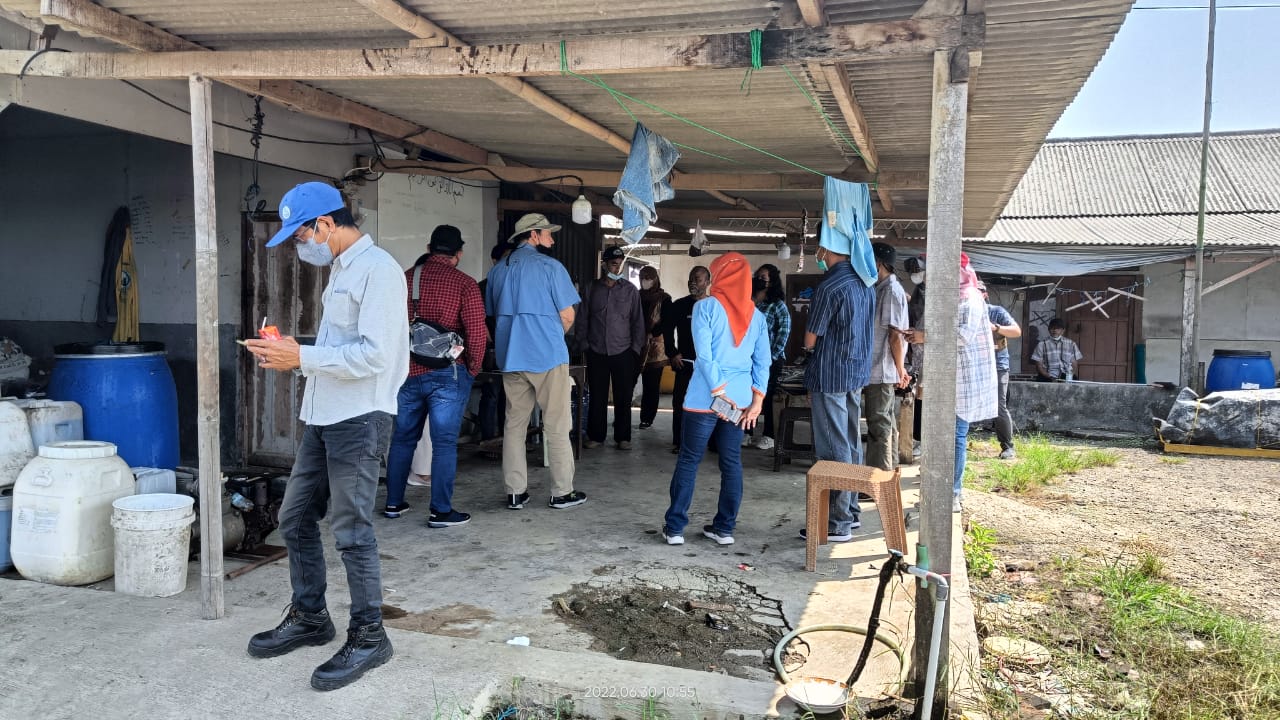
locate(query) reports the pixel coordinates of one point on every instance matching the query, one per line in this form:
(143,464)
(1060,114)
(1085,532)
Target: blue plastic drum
(1240,370)
(128,397)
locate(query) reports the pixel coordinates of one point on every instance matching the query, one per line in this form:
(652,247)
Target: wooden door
(1105,340)
(287,293)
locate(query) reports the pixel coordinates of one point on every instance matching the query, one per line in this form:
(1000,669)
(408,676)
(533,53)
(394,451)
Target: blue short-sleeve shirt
(525,294)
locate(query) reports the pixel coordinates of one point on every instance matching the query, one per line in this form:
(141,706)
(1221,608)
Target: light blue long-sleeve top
(742,371)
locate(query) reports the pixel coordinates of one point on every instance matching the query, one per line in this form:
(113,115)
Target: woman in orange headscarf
(725,395)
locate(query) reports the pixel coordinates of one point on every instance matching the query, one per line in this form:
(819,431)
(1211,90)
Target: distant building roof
(1142,191)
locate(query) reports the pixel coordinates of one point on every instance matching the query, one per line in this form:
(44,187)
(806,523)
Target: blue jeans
(337,465)
(441,395)
(962,452)
(697,430)
(836,436)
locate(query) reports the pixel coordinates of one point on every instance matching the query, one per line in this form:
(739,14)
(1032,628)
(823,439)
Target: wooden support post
(207,419)
(946,226)
(1187,368)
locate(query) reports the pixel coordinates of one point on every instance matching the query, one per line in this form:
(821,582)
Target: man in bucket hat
(531,299)
(354,370)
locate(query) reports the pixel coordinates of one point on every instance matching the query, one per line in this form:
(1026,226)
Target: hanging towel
(846,225)
(644,182)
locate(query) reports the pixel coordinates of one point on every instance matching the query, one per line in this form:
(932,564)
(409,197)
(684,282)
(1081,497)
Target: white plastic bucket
(16,449)
(154,480)
(153,541)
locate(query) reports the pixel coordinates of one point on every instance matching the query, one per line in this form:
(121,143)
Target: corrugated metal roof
(1150,175)
(1230,230)
(1037,56)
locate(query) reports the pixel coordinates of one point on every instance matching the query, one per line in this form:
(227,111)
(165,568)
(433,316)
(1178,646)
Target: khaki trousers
(550,391)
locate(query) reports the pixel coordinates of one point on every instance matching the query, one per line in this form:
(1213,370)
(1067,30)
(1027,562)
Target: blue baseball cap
(305,203)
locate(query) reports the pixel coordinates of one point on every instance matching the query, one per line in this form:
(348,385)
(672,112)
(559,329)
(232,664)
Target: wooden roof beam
(764,182)
(92,19)
(424,29)
(610,55)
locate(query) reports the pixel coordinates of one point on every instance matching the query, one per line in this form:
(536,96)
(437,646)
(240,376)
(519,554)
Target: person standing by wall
(773,305)
(532,300)
(353,372)
(448,298)
(888,362)
(654,304)
(1003,327)
(730,374)
(611,326)
(677,333)
(1056,356)
(838,339)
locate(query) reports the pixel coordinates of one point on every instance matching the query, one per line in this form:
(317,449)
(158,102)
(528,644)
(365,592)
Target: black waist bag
(430,344)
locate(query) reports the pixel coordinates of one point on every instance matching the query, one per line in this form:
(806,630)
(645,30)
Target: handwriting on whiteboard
(448,187)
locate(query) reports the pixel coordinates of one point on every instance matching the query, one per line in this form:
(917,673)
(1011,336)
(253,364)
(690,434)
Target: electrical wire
(35,55)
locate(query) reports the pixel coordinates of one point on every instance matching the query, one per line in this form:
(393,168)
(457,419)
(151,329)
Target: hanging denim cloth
(644,182)
(846,225)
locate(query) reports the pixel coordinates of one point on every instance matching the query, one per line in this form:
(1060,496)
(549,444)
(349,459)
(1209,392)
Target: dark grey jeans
(337,464)
(1004,421)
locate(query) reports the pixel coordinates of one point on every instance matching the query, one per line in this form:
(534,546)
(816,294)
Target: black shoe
(568,501)
(395,511)
(297,629)
(646,425)
(449,519)
(516,502)
(366,648)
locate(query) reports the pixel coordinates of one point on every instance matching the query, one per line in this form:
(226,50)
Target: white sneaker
(718,537)
(765,443)
(672,539)
(747,441)
(955,504)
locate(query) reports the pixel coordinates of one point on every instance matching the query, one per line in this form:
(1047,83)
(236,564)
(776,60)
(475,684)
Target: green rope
(756,36)
(823,113)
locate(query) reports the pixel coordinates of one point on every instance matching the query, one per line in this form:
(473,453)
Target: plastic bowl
(818,695)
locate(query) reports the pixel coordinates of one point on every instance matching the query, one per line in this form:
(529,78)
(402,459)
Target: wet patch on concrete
(458,620)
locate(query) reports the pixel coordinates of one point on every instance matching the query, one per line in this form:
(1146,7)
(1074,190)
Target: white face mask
(917,278)
(313,253)
(646,284)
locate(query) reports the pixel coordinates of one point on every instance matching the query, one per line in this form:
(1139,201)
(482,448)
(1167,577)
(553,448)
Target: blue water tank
(128,396)
(1236,369)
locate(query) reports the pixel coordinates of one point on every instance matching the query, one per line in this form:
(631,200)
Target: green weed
(1038,463)
(978,543)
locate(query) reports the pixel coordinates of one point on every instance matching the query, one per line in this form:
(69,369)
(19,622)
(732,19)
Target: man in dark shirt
(682,353)
(611,329)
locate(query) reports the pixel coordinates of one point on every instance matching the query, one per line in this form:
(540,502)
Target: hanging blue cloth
(847,223)
(644,182)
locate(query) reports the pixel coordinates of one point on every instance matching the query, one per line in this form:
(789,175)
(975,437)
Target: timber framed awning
(492,88)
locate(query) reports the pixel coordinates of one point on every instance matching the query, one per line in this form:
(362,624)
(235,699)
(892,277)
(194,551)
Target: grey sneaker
(671,537)
(765,443)
(1007,454)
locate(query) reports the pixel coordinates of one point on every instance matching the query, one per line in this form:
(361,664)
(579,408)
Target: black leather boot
(297,629)
(366,648)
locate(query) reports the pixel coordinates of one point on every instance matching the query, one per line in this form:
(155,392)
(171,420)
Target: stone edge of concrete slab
(966,688)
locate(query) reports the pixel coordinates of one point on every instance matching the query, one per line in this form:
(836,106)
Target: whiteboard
(411,206)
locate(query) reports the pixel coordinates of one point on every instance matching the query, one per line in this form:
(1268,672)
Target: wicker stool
(786,447)
(883,486)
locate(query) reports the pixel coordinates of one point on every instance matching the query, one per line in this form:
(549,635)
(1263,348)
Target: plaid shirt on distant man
(451,299)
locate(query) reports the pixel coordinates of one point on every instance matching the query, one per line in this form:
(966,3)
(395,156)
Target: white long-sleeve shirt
(361,355)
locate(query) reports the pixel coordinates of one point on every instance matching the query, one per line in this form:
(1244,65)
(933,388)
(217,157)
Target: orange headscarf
(731,285)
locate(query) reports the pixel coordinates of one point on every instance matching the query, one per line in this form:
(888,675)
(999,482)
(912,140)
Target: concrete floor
(74,652)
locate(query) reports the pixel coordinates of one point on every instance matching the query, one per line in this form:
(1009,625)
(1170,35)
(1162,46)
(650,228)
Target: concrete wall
(1242,315)
(1063,407)
(56,211)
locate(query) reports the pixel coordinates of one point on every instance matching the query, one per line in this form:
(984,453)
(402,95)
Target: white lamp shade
(581,210)
(784,252)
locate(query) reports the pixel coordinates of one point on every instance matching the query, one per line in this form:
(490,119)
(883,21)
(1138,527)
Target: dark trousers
(336,465)
(683,376)
(652,385)
(774,369)
(602,371)
(493,408)
(1004,421)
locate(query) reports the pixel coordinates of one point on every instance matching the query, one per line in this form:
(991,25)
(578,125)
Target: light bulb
(581,210)
(784,252)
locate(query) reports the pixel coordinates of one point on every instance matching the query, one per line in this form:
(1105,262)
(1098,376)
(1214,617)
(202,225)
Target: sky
(1151,80)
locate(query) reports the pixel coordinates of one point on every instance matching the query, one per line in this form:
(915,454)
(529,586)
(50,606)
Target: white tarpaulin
(1058,260)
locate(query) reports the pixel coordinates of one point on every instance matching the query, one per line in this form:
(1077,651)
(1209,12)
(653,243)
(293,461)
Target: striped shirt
(891,316)
(778,319)
(842,315)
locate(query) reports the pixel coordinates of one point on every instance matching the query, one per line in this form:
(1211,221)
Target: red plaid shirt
(451,299)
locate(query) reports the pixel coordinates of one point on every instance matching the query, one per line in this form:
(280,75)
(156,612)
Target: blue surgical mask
(615,276)
(314,253)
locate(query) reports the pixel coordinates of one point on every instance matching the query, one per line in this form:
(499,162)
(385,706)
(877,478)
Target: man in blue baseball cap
(353,373)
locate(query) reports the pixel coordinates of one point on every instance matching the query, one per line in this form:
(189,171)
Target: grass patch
(1128,643)
(979,541)
(1168,460)
(1038,463)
